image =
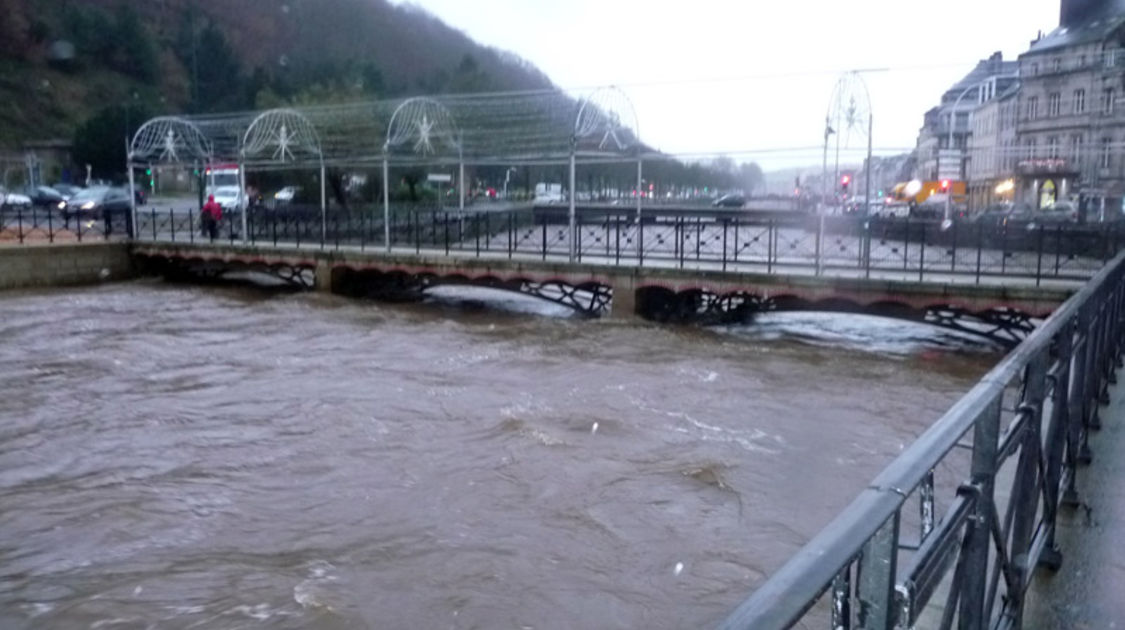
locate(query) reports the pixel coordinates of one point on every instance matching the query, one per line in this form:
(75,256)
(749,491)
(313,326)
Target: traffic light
(844,181)
(945,185)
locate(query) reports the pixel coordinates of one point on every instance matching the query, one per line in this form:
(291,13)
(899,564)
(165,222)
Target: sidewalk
(1088,592)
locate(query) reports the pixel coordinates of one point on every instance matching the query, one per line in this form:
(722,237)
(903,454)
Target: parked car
(67,190)
(95,202)
(227,197)
(1001,214)
(287,194)
(13,199)
(1060,212)
(139,195)
(729,201)
(45,197)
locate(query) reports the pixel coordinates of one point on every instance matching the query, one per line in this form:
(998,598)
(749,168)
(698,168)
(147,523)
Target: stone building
(990,168)
(939,158)
(1071,125)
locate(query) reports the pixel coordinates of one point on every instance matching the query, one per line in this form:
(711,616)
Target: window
(1034,69)
(1053,101)
(1033,108)
(1030,148)
(1107,145)
(1076,148)
(1107,101)
(1052,147)
(1081,61)
(1080,101)
(1056,65)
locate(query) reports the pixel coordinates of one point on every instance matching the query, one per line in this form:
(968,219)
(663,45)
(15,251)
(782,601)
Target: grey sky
(749,78)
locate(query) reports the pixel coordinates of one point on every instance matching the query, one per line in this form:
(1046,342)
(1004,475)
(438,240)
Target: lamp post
(953,125)
(507,178)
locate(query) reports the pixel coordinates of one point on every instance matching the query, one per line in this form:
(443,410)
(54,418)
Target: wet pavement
(1088,591)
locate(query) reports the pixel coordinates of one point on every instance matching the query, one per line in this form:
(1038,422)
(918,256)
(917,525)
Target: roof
(985,69)
(1096,30)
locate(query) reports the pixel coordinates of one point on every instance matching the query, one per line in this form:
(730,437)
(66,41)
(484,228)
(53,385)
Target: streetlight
(953,125)
(507,177)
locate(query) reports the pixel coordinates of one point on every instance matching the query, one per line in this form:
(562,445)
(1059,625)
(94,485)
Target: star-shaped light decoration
(425,128)
(169,152)
(285,140)
(611,128)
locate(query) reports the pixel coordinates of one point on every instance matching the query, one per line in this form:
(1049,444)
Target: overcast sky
(754,79)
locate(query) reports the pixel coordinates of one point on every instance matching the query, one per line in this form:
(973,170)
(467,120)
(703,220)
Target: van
(549,193)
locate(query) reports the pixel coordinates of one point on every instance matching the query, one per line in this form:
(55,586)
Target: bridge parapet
(660,293)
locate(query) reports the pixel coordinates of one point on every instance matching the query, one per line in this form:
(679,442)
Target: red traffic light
(846,179)
(945,185)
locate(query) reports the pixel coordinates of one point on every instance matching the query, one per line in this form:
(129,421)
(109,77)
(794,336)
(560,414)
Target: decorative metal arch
(285,134)
(607,120)
(170,139)
(425,125)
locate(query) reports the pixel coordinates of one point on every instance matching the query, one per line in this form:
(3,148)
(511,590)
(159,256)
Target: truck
(917,191)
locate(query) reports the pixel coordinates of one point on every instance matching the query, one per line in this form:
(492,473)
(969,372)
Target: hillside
(62,61)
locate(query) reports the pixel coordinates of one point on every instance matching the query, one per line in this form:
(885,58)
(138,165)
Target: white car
(227,197)
(286,195)
(13,199)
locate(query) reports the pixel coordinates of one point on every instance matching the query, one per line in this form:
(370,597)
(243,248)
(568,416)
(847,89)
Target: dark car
(96,202)
(730,201)
(1001,214)
(139,195)
(45,197)
(67,190)
(1060,212)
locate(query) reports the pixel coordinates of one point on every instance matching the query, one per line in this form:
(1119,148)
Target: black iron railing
(35,225)
(1003,459)
(721,240)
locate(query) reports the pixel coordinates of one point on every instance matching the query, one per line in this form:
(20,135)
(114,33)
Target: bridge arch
(1004,325)
(589,298)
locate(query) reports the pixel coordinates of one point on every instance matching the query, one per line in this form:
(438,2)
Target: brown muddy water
(202,457)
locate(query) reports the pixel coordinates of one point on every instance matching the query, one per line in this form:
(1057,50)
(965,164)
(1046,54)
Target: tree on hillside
(137,55)
(14,25)
(750,177)
(212,65)
(100,141)
(468,77)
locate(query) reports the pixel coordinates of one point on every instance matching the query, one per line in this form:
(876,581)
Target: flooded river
(203,457)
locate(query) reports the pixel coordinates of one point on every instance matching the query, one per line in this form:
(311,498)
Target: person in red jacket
(210,216)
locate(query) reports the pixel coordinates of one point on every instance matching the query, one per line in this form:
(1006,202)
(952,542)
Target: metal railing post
(819,243)
(986,434)
(922,254)
(877,567)
(1039,259)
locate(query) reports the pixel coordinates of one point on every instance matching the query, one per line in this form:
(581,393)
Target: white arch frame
(425,121)
(178,140)
(607,111)
(289,133)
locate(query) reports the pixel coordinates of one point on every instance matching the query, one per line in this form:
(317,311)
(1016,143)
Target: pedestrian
(210,216)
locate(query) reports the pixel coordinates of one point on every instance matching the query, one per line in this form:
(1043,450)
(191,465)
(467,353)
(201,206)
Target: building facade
(993,146)
(1071,124)
(941,150)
